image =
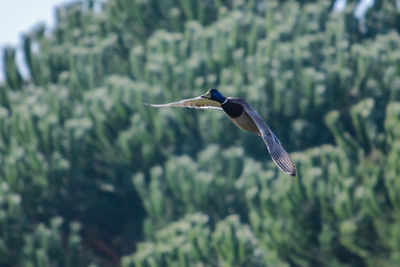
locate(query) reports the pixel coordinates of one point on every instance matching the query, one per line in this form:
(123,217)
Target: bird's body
(246,118)
(237,114)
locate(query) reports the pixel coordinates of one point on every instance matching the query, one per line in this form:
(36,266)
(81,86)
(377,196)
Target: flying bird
(246,118)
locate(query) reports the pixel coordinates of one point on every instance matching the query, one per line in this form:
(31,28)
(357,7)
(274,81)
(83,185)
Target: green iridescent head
(215,95)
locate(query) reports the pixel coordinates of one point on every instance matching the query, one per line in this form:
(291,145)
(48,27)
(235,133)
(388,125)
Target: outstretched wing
(278,154)
(197,102)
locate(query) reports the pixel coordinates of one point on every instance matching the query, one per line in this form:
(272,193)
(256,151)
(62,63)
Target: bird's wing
(278,154)
(197,102)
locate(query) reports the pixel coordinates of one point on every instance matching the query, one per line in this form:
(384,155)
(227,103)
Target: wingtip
(294,171)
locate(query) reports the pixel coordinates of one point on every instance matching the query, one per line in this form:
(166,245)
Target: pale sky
(18,16)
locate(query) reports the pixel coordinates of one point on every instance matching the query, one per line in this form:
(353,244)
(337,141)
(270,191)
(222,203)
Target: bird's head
(215,95)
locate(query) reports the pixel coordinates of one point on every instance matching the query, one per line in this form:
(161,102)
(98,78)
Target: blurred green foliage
(92,177)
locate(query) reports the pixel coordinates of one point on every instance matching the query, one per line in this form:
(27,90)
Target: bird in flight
(245,117)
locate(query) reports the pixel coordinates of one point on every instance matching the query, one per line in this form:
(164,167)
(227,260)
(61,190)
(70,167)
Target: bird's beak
(206,95)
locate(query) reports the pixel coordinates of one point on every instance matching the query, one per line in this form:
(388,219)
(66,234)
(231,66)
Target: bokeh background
(89,176)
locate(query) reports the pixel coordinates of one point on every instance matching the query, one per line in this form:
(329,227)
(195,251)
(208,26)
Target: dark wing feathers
(197,102)
(275,149)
